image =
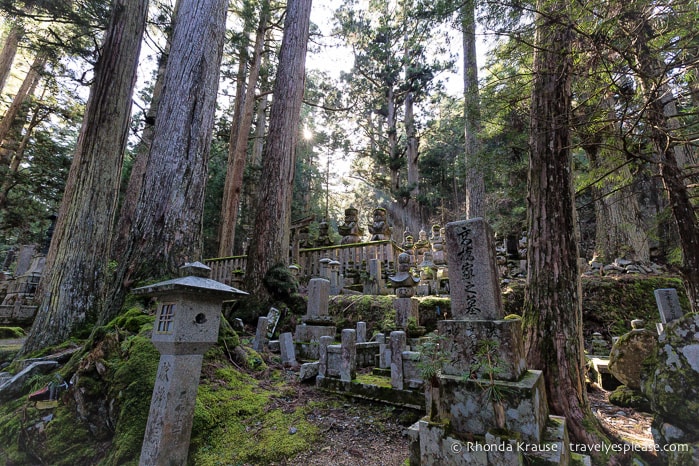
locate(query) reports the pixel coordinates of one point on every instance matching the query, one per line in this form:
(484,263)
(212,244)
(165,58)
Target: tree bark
(166,220)
(73,280)
(552,306)
(8,52)
(10,177)
(619,229)
(140,163)
(413,221)
(238,145)
(270,236)
(475,185)
(26,89)
(671,153)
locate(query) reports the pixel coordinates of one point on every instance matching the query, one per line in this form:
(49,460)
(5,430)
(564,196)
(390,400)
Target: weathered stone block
(670,378)
(318,295)
(366,353)
(473,274)
(313,332)
(411,372)
(397,347)
(405,309)
(308,370)
(628,353)
(334,360)
(464,337)
(465,403)
(348,363)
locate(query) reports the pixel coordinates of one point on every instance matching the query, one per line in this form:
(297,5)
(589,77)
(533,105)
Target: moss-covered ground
(239,418)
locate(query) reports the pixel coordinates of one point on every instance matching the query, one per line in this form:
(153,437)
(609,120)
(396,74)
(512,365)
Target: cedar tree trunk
(73,280)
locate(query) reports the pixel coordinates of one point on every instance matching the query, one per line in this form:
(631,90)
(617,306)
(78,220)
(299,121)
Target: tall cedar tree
(475,184)
(270,236)
(166,219)
(76,264)
(238,141)
(552,306)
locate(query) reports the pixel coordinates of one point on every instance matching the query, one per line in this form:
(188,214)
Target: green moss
(432,309)
(610,303)
(233,423)
(68,442)
(133,382)
(12,332)
(134,320)
(347,310)
(371,379)
(628,398)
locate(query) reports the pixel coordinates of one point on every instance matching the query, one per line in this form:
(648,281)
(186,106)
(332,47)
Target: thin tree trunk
(166,220)
(552,306)
(72,284)
(475,185)
(392,135)
(8,52)
(25,90)
(8,181)
(413,220)
(270,237)
(238,145)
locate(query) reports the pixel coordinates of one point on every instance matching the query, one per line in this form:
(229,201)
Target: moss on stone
(626,397)
(372,379)
(12,332)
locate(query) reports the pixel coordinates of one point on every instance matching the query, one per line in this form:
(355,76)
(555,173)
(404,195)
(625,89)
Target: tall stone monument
(186,326)
(485,403)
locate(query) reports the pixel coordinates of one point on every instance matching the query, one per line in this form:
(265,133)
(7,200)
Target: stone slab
(308,371)
(348,361)
(405,309)
(287,350)
(318,296)
(464,338)
(312,333)
(464,403)
(414,399)
(668,304)
(334,360)
(473,274)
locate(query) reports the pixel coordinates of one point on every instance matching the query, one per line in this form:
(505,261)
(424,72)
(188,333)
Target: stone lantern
(186,326)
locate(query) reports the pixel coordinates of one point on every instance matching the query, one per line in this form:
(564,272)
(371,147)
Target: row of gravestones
(459,408)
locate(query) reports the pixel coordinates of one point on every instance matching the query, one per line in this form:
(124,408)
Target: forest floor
(356,432)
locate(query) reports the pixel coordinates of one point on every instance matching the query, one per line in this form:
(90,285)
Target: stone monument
(404,283)
(316,323)
(462,407)
(186,326)
(379,227)
(350,230)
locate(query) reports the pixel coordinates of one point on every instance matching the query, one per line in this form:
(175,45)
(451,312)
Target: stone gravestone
(459,400)
(668,305)
(186,326)
(272,321)
(316,323)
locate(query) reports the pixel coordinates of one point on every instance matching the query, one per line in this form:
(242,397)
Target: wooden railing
(353,258)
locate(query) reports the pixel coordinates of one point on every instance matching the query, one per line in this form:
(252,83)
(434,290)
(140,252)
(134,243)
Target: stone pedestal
(484,404)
